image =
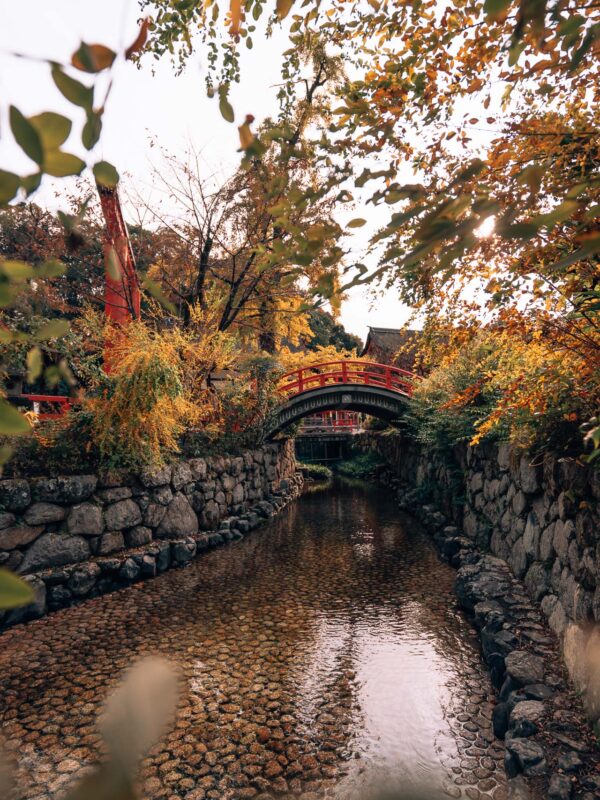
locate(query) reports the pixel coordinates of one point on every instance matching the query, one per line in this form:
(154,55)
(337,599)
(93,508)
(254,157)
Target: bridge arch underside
(372,400)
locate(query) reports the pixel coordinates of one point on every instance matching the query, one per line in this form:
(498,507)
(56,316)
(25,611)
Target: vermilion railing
(63,404)
(363,373)
(332,422)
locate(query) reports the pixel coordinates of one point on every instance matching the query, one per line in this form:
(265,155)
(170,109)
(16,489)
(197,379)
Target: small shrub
(318,472)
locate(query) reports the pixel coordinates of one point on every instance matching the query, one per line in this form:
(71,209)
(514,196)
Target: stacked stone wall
(542,517)
(75,537)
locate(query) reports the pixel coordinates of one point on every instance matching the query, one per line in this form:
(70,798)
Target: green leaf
(34,361)
(52,268)
(358,222)
(31,182)
(62,164)
(14,592)
(74,91)
(26,135)
(496,9)
(154,289)
(53,329)
(12,422)
(9,186)
(16,271)
(93,57)
(91,130)
(53,129)
(225,106)
(106,174)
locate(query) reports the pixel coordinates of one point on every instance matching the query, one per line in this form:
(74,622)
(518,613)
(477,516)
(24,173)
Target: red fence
(46,406)
(331,373)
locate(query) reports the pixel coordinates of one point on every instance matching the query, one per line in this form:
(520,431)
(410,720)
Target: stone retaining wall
(74,537)
(542,518)
(541,523)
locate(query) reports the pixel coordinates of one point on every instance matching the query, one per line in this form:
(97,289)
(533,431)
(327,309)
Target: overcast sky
(151,102)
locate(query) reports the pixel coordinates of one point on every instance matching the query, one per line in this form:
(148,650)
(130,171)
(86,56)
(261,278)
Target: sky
(149,103)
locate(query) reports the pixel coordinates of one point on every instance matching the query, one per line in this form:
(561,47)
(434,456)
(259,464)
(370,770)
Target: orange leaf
(140,39)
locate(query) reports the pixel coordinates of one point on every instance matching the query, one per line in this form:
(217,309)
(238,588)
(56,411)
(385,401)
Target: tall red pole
(122,288)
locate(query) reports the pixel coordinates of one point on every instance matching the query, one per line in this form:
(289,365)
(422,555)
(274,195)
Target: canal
(321,654)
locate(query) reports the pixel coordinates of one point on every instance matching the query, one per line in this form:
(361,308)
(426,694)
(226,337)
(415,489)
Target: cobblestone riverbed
(320,653)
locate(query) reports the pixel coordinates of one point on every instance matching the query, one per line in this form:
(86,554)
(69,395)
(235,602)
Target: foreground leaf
(14,592)
(12,422)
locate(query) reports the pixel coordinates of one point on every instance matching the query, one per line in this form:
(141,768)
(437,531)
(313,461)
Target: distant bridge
(379,390)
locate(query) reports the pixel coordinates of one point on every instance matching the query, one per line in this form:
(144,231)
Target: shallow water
(322,653)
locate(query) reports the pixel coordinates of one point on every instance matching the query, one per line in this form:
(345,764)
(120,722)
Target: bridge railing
(330,373)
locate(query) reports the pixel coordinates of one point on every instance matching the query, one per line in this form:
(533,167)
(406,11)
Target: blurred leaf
(9,186)
(34,362)
(61,164)
(283,8)
(113,264)
(154,289)
(52,268)
(31,182)
(106,174)
(53,129)
(358,222)
(235,12)
(224,105)
(53,329)
(496,9)
(26,135)
(14,591)
(12,422)
(74,91)
(246,136)
(91,130)
(18,271)
(140,40)
(93,57)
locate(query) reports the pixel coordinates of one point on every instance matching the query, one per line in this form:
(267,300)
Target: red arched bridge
(376,389)
(379,390)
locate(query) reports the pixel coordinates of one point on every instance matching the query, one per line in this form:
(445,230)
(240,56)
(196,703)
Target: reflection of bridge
(379,390)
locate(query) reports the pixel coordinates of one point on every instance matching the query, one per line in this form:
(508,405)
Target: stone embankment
(76,537)
(524,540)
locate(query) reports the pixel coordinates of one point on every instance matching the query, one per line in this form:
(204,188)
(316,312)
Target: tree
(326,331)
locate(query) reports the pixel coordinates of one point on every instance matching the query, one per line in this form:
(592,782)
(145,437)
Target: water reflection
(318,655)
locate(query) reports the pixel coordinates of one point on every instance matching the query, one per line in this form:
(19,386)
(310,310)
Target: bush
(318,472)
(361,465)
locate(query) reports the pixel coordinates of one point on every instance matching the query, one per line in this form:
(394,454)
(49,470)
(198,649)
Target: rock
(123,514)
(163,559)
(564,534)
(19,536)
(560,787)
(129,571)
(15,494)
(110,542)
(524,667)
(182,474)
(525,718)
(65,489)
(180,519)
(85,520)
(114,495)
(151,478)
(536,581)
(148,566)
(153,515)
(500,716)
(529,476)
(82,581)
(162,495)
(526,756)
(54,550)
(198,468)
(182,552)
(35,609)
(43,513)
(138,536)
(569,762)
(6,520)
(58,597)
